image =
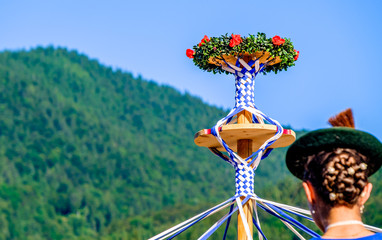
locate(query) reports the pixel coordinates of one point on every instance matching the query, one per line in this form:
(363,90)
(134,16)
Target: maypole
(246,135)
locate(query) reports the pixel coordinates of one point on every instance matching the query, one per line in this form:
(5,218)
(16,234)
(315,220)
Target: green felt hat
(330,138)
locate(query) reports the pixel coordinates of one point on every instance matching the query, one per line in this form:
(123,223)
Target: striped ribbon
(276,209)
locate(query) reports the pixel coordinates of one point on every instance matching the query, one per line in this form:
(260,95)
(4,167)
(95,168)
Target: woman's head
(334,164)
(338,176)
(336,185)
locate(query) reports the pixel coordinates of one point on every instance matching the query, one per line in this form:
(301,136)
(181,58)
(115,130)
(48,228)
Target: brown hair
(338,176)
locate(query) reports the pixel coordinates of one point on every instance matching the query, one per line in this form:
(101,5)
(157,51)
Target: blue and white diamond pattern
(245,94)
(244,180)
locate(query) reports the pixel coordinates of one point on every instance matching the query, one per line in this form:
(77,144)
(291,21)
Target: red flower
(190,53)
(235,40)
(204,40)
(277,40)
(298,54)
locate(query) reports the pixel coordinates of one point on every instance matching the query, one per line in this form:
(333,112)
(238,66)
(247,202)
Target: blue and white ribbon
(244,168)
(244,100)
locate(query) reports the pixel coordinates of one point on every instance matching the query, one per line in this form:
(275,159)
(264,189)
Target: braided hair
(339,176)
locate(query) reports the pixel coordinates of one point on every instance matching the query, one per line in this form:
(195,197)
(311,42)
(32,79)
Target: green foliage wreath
(281,51)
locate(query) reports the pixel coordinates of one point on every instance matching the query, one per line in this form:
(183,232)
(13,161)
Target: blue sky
(340,45)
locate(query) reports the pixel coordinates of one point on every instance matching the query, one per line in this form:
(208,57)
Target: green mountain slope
(88,152)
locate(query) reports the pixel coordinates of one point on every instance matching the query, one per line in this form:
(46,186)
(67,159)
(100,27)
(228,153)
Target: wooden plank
(231,133)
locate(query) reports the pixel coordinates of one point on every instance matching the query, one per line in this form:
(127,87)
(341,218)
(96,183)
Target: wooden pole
(244,150)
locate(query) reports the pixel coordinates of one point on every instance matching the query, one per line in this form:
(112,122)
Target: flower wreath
(213,53)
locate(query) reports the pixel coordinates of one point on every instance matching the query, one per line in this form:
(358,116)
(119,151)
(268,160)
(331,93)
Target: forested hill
(88,152)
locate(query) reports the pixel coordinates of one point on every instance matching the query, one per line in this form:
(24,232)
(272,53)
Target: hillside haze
(88,152)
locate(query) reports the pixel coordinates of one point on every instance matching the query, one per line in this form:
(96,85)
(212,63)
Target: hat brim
(330,138)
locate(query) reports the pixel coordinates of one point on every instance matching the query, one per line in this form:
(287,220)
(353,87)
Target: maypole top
(213,54)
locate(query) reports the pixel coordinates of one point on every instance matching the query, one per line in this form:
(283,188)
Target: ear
(365,194)
(309,192)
